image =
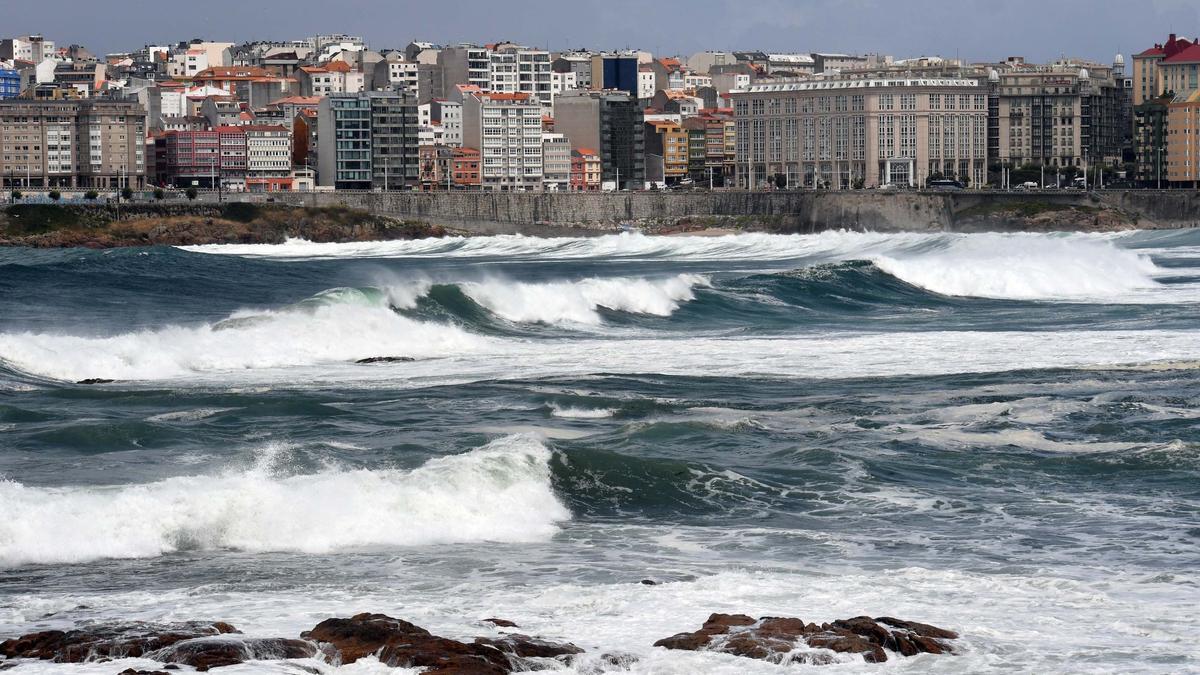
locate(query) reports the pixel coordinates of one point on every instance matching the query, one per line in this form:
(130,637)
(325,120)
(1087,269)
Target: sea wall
(800,211)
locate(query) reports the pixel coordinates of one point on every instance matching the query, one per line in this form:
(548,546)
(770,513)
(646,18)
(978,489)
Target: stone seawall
(555,213)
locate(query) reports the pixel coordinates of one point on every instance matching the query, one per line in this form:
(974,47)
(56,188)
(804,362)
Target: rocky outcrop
(64,226)
(387,359)
(205,653)
(789,640)
(399,643)
(112,640)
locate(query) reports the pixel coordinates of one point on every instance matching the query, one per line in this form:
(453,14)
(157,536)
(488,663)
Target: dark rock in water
(501,623)
(95,380)
(774,638)
(387,359)
(525,647)
(399,643)
(649,582)
(115,640)
(214,652)
(131,671)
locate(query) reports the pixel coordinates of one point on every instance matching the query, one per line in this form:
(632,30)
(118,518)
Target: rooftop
(854,84)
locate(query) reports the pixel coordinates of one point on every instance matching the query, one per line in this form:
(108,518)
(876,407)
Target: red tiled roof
(1190,54)
(1156,50)
(505,96)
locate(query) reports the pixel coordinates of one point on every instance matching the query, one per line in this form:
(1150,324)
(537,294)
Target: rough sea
(993,433)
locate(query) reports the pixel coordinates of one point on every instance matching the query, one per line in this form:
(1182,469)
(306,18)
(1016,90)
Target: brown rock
(206,653)
(501,623)
(115,640)
(399,643)
(775,638)
(525,647)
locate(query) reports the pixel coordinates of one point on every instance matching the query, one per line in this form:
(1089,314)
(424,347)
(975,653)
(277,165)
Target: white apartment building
(560,82)
(861,133)
(502,72)
(507,130)
(556,163)
(268,158)
(534,77)
(32,48)
(647,83)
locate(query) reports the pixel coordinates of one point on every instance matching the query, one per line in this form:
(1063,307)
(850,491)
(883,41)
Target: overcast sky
(973,29)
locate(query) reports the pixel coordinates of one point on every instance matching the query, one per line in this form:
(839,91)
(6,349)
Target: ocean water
(998,434)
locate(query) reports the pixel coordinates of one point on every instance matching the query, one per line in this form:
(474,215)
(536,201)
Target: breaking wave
(501,492)
(1015,267)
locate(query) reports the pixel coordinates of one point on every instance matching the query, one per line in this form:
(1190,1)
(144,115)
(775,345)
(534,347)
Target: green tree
(127,193)
(16,195)
(192,193)
(89,195)
(159,194)
(55,195)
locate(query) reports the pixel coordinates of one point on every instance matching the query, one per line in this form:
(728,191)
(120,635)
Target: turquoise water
(994,433)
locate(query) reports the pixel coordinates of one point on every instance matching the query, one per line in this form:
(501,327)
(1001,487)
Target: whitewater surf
(607,439)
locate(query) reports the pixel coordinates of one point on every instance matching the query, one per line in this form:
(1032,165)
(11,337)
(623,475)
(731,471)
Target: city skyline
(1039,32)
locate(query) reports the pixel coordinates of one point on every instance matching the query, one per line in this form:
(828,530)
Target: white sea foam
(567,412)
(1024,267)
(578,301)
(319,349)
(499,492)
(275,339)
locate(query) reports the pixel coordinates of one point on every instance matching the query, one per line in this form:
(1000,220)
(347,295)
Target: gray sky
(973,29)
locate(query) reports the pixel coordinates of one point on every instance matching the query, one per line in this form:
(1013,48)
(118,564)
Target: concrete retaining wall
(800,211)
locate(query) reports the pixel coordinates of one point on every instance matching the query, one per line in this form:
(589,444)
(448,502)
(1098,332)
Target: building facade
(66,143)
(1059,116)
(506,128)
(10,83)
(556,162)
(611,123)
(1183,140)
(268,158)
(860,133)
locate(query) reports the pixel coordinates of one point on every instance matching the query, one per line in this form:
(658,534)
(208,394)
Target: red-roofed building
(1165,67)
(335,77)
(585,170)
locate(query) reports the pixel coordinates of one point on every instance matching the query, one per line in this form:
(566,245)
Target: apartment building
(344,142)
(611,123)
(1060,115)
(585,170)
(268,158)
(31,48)
(506,128)
(666,151)
(1173,60)
(395,139)
(466,168)
(556,162)
(72,143)
(1183,140)
(465,64)
(335,77)
(860,133)
(1150,140)
(10,83)
(577,64)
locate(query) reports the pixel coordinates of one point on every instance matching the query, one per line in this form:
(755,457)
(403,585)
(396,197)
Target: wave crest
(500,492)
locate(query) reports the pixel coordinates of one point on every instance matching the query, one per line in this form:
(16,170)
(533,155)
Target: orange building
(1183,139)
(585,170)
(466,168)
